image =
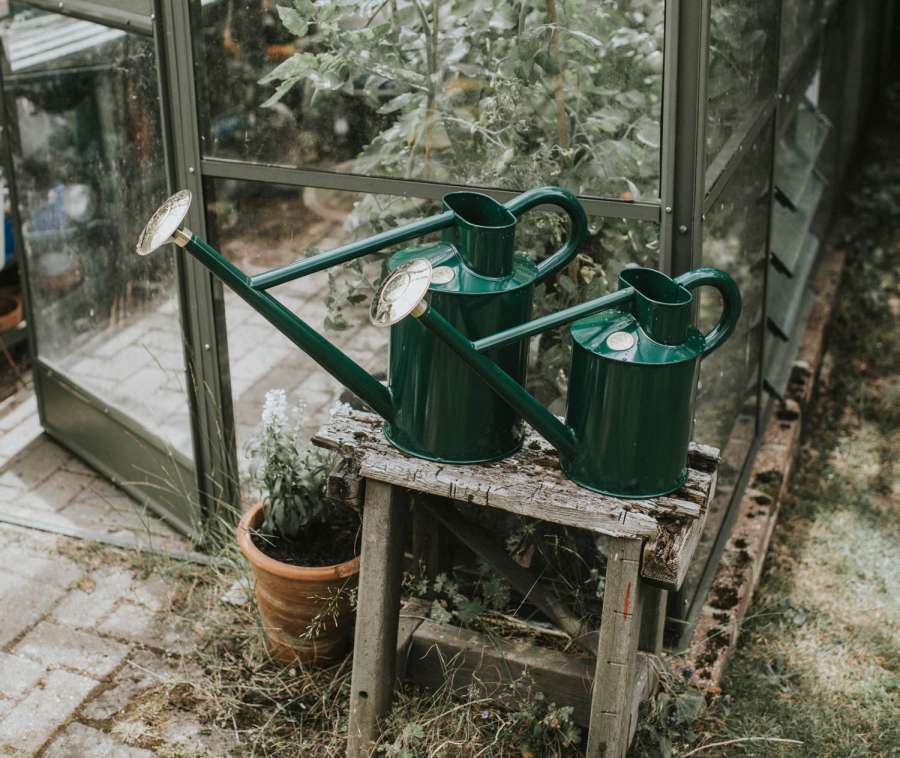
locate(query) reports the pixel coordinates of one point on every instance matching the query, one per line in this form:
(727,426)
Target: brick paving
(81,642)
(80,645)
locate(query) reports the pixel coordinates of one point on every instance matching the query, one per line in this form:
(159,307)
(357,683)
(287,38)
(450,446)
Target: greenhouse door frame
(110,440)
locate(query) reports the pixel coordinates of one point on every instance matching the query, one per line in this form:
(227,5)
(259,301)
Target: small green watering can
(435,407)
(631,382)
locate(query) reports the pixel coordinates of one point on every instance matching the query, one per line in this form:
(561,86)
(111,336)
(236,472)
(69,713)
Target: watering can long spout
(167,225)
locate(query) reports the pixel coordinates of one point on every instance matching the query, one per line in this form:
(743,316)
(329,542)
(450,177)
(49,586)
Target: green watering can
(435,407)
(632,378)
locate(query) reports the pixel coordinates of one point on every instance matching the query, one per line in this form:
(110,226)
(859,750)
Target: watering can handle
(569,203)
(731,302)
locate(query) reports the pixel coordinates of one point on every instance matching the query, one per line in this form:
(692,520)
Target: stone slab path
(84,635)
(84,628)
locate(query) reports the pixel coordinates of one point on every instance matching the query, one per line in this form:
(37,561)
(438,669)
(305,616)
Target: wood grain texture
(345,485)
(620,628)
(378,608)
(465,658)
(412,614)
(529,482)
(668,554)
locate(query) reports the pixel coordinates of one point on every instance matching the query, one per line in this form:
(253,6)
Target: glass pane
(734,240)
(799,23)
(260,226)
(742,70)
(90,172)
(500,97)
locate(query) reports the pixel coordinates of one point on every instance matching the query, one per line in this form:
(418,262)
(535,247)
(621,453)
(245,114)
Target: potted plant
(301,545)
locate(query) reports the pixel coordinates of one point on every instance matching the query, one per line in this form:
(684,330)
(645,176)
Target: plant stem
(572,268)
(429,136)
(557,81)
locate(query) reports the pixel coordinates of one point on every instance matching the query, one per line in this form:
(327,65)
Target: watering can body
(444,411)
(631,387)
(631,380)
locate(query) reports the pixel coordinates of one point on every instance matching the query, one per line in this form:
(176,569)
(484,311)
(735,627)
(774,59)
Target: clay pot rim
(250,520)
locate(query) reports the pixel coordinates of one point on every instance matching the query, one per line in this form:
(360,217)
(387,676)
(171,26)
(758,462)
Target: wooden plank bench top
(528,482)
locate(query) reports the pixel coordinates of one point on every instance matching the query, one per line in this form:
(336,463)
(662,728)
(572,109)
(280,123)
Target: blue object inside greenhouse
(794,245)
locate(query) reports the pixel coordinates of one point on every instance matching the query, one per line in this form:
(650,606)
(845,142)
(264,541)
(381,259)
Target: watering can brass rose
(631,382)
(434,407)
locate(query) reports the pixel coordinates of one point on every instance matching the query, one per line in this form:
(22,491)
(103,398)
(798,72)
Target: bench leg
(378,609)
(617,651)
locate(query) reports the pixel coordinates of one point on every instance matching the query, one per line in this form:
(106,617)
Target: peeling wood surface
(668,554)
(528,482)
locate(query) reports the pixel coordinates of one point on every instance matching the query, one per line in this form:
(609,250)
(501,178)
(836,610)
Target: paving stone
(17,676)
(57,570)
(196,739)
(22,604)
(83,609)
(136,623)
(32,722)
(60,488)
(16,415)
(142,670)
(55,645)
(20,436)
(153,593)
(80,741)
(33,463)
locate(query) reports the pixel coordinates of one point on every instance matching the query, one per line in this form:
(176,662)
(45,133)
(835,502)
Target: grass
(818,659)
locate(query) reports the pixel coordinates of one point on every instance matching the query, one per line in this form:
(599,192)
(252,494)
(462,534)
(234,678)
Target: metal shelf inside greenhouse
(784,291)
(798,152)
(790,227)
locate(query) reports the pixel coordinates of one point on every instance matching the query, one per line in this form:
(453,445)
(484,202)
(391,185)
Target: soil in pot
(321,545)
(305,610)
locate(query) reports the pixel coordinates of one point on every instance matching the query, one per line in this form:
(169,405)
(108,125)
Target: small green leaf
(293,21)
(547,62)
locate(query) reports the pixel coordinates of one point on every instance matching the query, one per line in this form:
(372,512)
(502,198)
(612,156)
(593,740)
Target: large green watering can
(435,406)
(631,382)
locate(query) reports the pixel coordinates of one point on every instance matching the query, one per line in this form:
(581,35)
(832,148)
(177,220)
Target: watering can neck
(661,306)
(483,233)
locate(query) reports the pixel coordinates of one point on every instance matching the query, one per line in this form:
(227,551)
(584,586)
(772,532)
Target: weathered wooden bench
(651,545)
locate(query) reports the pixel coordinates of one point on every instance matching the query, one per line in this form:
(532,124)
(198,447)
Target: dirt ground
(817,670)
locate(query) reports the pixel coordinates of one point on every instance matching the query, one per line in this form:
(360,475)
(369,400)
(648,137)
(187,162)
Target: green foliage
(289,476)
(494,594)
(674,714)
(475,80)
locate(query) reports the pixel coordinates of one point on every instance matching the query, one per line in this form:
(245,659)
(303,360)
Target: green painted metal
(298,331)
(442,411)
(435,407)
(631,383)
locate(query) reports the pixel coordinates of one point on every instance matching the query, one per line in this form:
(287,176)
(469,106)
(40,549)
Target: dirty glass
(799,24)
(734,240)
(504,94)
(742,44)
(90,172)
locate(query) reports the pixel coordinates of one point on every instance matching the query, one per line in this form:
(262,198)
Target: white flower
(273,415)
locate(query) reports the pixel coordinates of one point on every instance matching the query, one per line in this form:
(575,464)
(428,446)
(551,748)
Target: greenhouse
(694,134)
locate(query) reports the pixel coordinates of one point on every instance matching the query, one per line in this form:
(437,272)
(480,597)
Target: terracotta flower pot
(290,597)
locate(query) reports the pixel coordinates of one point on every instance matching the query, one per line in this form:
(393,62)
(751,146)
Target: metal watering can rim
(544,422)
(167,225)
